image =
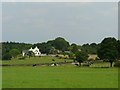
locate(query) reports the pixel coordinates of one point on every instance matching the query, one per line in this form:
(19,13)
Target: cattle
(34,65)
(54,64)
(53,59)
(76,64)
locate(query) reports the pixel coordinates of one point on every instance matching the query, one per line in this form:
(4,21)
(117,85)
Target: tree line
(108,49)
(49,47)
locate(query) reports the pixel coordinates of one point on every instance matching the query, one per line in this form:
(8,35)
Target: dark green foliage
(14,52)
(8,46)
(90,48)
(44,47)
(30,54)
(53,51)
(119,49)
(71,55)
(60,44)
(53,45)
(108,50)
(0,51)
(49,47)
(6,56)
(81,56)
(50,42)
(74,48)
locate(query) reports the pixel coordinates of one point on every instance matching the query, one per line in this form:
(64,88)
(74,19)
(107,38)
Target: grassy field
(35,60)
(64,76)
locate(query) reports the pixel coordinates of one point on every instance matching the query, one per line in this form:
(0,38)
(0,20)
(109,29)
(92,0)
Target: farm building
(36,51)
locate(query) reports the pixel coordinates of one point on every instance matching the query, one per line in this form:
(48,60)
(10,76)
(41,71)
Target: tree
(118,49)
(60,44)
(81,56)
(6,56)
(8,46)
(30,54)
(90,48)
(14,52)
(53,51)
(0,51)
(108,50)
(74,48)
(71,55)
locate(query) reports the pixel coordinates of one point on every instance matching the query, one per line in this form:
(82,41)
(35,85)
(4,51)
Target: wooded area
(107,50)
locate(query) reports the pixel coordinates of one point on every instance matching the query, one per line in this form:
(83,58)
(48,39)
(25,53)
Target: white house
(36,51)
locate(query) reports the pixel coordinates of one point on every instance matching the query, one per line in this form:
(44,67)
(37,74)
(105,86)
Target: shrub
(7,56)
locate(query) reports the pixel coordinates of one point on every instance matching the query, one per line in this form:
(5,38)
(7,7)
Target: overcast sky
(81,22)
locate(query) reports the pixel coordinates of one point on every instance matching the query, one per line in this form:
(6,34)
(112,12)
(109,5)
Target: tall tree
(90,48)
(44,47)
(60,44)
(108,50)
(118,49)
(74,48)
(30,54)
(81,56)
(14,52)
(6,56)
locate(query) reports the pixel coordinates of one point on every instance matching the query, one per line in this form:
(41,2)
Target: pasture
(35,60)
(64,76)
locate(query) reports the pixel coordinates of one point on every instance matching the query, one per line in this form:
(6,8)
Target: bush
(71,55)
(6,57)
(117,64)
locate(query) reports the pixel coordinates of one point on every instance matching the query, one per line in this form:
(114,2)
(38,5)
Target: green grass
(65,76)
(101,64)
(35,60)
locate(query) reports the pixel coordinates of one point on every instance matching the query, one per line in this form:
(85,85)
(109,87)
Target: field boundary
(38,64)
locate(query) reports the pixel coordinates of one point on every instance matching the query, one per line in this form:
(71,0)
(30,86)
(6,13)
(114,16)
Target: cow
(76,64)
(34,65)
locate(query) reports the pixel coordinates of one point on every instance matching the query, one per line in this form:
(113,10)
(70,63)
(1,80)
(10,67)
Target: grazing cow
(34,65)
(76,64)
(54,64)
(53,59)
